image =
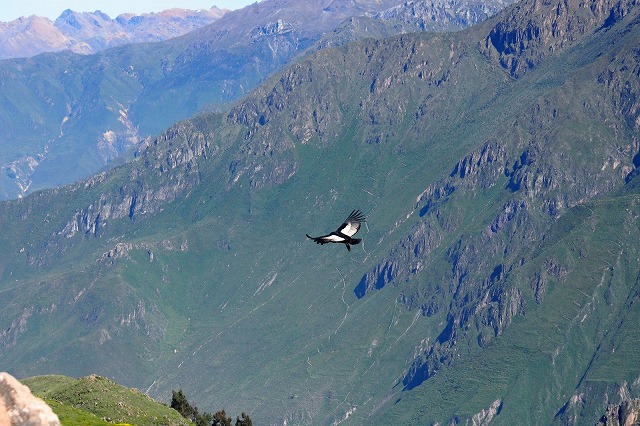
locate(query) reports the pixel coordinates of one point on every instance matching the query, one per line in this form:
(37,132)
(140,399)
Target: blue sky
(12,9)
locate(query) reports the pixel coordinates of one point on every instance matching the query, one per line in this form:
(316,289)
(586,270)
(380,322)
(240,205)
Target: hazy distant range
(90,32)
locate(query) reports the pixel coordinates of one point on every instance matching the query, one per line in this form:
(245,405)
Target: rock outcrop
(626,413)
(530,33)
(440,16)
(19,407)
(176,172)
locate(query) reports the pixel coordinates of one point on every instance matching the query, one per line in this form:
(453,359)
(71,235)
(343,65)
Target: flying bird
(345,232)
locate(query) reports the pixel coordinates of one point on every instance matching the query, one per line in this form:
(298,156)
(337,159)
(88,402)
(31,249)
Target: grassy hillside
(95,400)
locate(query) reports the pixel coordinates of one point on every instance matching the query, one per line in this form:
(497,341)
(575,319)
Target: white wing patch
(333,238)
(350,228)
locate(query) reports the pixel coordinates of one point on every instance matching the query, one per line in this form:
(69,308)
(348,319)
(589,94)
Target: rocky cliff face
(536,175)
(624,93)
(440,16)
(624,414)
(411,16)
(531,33)
(175,171)
(168,167)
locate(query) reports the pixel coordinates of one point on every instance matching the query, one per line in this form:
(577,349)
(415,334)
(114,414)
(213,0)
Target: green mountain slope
(498,270)
(64,117)
(543,368)
(94,400)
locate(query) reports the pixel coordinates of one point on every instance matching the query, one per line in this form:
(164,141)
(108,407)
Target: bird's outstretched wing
(324,239)
(352,224)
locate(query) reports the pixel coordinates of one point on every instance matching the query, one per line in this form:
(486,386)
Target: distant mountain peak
(90,32)
(66,13)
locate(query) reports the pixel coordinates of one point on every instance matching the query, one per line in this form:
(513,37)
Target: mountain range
(497,280)
(66,116)
(91,32)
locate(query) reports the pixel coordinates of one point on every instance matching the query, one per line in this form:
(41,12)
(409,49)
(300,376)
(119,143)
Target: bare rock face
(19,407)
(536,28)
(627,413)
(4,415)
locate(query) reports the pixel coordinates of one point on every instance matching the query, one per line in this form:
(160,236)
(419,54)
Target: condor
(344,234)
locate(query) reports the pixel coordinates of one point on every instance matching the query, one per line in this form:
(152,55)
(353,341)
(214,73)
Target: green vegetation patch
(95,400)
